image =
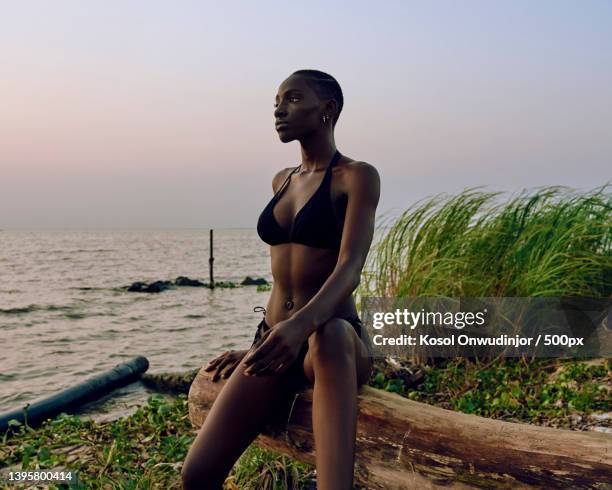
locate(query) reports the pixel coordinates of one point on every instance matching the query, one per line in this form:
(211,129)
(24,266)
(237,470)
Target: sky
(151,114)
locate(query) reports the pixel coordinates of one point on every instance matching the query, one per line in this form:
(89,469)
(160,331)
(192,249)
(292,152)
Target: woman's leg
(337,362)
(239,413)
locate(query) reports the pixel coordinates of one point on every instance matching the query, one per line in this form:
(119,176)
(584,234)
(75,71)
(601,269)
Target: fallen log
(406,444)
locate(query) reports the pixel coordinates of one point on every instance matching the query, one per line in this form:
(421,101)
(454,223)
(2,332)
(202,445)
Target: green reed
(551,241)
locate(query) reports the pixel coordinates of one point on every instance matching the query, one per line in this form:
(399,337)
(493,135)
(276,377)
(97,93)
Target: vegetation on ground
(142,451)
(548,392)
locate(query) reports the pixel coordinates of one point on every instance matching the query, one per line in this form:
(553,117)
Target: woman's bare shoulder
(358,170)
(280,177)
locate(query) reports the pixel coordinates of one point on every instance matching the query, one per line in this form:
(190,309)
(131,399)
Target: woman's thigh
(241,410)
(340,326)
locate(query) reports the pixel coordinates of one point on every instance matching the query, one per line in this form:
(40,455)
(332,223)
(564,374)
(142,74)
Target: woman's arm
(363,192)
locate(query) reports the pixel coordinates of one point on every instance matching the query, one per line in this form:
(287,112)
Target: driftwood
(406,444)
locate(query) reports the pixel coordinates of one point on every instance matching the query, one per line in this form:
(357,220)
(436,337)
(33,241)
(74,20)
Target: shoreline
(156,436)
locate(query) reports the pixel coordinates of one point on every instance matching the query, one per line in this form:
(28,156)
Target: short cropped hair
(325,86)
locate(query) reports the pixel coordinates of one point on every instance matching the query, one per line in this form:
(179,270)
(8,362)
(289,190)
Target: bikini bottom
(295,371)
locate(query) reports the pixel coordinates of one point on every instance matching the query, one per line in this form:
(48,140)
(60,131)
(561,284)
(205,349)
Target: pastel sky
(144,114)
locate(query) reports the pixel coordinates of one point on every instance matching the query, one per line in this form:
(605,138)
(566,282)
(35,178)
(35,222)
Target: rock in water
(154,287)
(185,281)
(158,286)
(249,281)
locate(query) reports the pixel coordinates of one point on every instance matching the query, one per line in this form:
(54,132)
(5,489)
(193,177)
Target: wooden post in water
(210,262)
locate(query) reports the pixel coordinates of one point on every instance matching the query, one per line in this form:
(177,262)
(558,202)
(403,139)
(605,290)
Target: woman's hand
(280,346)
(225,363)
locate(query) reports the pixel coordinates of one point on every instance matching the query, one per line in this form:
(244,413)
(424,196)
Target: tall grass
(552,241)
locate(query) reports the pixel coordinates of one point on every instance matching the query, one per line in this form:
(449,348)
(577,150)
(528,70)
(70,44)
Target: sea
(66,316)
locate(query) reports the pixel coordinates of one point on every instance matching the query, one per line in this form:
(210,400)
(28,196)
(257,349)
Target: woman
(319,225)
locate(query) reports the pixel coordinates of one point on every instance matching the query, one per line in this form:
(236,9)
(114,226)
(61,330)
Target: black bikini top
(314,225)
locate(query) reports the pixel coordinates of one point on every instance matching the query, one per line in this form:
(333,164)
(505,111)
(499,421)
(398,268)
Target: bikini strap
(337,156)
(260,308)
(286,180)
(334,160)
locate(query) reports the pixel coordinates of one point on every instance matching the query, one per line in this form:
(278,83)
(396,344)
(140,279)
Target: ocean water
(64,316)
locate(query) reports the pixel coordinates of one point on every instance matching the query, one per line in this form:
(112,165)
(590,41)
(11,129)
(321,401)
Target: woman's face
(298,110)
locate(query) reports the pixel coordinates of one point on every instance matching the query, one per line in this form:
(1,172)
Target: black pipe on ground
(70,398)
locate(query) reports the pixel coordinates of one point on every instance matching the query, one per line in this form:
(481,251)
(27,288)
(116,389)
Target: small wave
(179,329)
(33,307)
(170,307)
(16,311)
(94,250)
(75,315)
(22,396)
(80,250)
(63,340)
(228,345)
(56,308)
(195,316)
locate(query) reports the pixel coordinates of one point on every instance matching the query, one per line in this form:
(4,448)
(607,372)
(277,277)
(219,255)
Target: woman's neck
(317,153)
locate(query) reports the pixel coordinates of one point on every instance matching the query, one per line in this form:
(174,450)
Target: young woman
(319,226)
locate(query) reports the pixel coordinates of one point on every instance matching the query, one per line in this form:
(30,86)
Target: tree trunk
(406,444)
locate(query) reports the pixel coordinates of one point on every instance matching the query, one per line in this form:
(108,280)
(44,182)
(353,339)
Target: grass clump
(552,242)
(142,451)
